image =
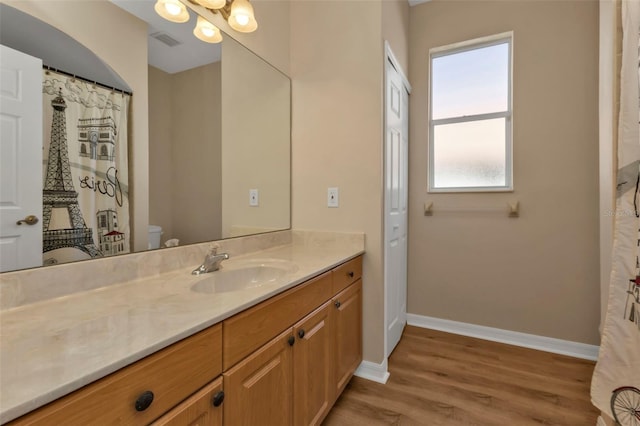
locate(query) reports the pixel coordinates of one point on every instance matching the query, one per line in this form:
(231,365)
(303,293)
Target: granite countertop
(53,347)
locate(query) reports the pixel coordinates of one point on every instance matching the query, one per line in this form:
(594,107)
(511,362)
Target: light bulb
(206,31)
(172,9)
(242,19)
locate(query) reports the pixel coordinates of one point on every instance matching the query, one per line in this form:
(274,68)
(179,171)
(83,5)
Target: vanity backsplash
(30,286)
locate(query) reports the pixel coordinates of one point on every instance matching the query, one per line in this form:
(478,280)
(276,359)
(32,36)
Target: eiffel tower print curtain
(85,169)
(615,386)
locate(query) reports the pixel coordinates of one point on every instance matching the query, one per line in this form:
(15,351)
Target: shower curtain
(85,169)
(615,387)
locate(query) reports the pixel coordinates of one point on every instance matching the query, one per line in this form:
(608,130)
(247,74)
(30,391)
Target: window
(470,116)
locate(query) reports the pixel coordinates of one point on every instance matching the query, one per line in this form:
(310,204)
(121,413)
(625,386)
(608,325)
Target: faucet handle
(213,248)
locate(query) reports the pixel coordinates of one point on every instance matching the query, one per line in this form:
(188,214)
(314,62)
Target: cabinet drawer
(346,274)
(248,330)
(204,408)
(171,374)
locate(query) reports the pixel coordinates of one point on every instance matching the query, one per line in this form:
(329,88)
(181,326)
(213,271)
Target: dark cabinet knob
(301,334)
(350,273)
(218,398)
(291,340)
(337,303)
(144,401)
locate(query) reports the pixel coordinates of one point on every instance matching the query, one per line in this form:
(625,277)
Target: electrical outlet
(332,197)
(253,198)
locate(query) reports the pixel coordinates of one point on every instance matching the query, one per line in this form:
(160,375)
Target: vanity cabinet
(141,392)
(281,362)
(295,378)
(347,334)
(258,389)
(312,366)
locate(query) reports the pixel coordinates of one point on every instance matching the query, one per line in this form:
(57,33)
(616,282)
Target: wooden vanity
(283,361)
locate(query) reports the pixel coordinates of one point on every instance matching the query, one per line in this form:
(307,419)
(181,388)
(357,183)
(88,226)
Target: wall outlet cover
(333,197)
(253,198)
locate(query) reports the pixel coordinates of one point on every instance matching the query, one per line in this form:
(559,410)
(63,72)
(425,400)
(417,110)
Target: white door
(20,159)
(395,201)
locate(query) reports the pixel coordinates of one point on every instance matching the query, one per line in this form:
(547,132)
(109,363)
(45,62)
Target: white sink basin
(243,276)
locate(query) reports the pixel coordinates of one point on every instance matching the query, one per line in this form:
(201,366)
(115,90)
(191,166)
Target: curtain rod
(113,89)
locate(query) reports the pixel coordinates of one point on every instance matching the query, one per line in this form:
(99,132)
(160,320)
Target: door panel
(312,367)
(396,177)
(258,389)
(348,335)
(20,159)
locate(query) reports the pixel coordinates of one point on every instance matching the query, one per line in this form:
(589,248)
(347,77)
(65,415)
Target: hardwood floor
(444,379)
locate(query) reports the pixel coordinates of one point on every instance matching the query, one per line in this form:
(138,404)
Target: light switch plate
(332,197)
(253,198)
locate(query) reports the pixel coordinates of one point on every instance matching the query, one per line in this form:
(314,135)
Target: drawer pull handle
(301,334)
(350,273)
(291,340)
(337,304)
(144,401)
(218,398)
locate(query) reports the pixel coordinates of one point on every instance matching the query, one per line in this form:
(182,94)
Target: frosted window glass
(469,154)
(471,82)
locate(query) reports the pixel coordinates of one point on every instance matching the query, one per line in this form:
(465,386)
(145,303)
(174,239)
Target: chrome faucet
(211,261)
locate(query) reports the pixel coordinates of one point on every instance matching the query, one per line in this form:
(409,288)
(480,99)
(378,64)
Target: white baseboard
(371,371)
(532,341)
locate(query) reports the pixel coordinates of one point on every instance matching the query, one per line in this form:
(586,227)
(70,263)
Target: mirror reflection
(218,141)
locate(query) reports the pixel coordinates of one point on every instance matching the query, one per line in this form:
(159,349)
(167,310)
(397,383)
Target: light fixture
(212,4)
(238,13)
(172,10)
(206,31)
(241,17)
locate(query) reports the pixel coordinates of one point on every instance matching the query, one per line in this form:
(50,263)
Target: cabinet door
(347,309)
(258,390)
(201,409)
(312,367)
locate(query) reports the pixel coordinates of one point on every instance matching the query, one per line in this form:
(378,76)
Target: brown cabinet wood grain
(346,274)
(282,362)
(197,410)
(348,334)
(258,390)
(171,374)
(247,331)
(313,366)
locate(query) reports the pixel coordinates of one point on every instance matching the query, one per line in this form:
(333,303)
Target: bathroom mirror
(218,134)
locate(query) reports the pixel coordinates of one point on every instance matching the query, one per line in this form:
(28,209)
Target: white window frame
(507,115)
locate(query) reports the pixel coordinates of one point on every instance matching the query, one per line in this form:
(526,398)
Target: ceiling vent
(165,38)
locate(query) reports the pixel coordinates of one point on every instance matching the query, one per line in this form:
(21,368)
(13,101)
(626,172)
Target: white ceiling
(191,53)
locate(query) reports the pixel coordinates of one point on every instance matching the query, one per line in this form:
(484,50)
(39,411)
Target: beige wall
(256,149)
(538,273)
(125,51)
(395,30)
(160,147)
(336,73)
(185,153)
(197,181)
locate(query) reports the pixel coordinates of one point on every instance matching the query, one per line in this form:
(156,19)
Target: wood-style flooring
(445,379)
